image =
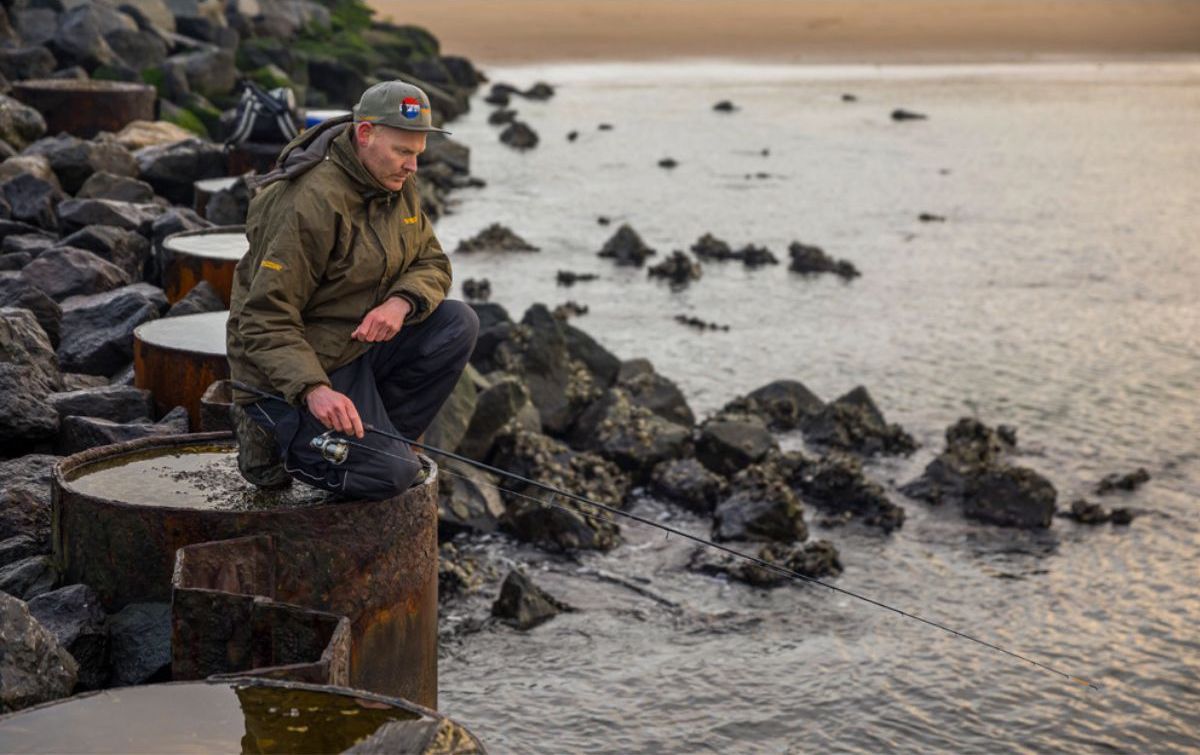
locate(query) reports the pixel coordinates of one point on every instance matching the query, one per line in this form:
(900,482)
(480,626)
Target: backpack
(264,117)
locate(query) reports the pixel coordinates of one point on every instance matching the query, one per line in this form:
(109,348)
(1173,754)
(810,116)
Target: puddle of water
(199,717)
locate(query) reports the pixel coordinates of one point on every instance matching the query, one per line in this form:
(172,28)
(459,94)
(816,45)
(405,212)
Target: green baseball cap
(397,104)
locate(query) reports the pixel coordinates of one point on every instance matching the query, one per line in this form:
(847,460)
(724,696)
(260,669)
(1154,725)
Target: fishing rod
(336,450)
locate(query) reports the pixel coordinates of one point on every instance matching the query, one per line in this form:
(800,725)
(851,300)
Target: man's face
(389,154)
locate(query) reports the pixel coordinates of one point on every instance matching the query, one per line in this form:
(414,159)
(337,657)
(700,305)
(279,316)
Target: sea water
(1061,295)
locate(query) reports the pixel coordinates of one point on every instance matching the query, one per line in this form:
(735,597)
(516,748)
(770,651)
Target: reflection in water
(286,721)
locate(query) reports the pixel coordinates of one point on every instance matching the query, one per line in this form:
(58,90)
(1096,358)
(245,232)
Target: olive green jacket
(327,244)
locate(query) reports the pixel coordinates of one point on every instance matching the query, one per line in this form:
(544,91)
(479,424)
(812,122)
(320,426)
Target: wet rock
(201,298)
(783,404)
(523,604)
(755,256)
(25,496)
(74,160)
(760,506)
(668,163)
(731,442)
(140,644)
(124,248)
(688,483)
(28,578)
(63,271)
(601,363)
(568,278)
(477,289)
(172,169)
(709,247)
(138,49)
(849,98)
(20,547)
(505,401)
(657,393)
(1086,512)
(33,61)
(854,423)
(724,106)
(519,136)
(814,559)
(626,247)
(32,200)
(572,135)
(927,217)
(632,436)
(25,416)
(501,116)
(451,422)
(20,125)
(495,238)
(558,386)
(74,616)
(539,91)
(75,214)
(900,114)
(23,342)
(836,485)
(971,448)
(457,574)
(468,499)
(811,260)
(116,403)
(1123,482)
(569,309)
(34,668)
(1010,497)
(105,185)
(81,433)
(1122,516)
(500,94)
(573,525)
(678,269)
(97,331)
(697,324)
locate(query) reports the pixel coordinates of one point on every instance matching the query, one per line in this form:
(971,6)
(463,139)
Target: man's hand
(334,410)
(383,322)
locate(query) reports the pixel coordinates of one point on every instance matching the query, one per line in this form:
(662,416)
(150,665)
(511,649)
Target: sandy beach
(517,31)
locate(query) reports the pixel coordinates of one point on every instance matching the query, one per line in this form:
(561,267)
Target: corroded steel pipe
(85,108)
(209,254)
(177,358)
(374,562)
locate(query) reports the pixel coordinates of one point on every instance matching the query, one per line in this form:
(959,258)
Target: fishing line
(675,531)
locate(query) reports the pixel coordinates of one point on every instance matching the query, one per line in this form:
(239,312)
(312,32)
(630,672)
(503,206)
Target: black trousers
(397,386)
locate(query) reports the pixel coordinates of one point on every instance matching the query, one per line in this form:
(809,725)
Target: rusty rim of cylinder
(99,86)
(170,321)
(78,462)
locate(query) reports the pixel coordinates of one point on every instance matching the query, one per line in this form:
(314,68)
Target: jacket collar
(343,154)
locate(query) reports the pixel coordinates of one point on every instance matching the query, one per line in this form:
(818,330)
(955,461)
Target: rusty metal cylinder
(121,512)
(210,254)
(177,358)
(85,108)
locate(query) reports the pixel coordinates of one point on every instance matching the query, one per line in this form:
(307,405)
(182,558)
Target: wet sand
(524,31)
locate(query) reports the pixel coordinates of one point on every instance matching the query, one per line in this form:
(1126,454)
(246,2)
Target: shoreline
(805,31)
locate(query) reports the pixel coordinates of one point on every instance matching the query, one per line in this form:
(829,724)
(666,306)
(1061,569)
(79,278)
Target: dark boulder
(20,124)
(814,559)
(74,160)
(900,114)
(33,61)
(632,436)
(80,36)
(34,668)
(172,169)
(668,163)
(24,343)
(140,644)
(568,278)
(25,496)
(559,386)
(210,72)
(971,448)
(655,392)
(626,247)
(505,401)
(688,483)
(709,247)
(539,91)
(200,298)
(729,443)
(81,433)
(1086,512)
(854,423)
(25,415)
(468,499)
(97,331)
(15,261)
(783,404)
(74,616)
(32,200)
(124,248)
(31,244)
(29,577)
(811,260)
(450,424)
(137,49)
(724,106)
(1011,497)
(229,205)
(599,361)
(105,185)
(1123,482)
(63,271)
(836,485)
(20,547)
(523,604)
(519,136)
(116,403)
(477,289)
(501,116)
(760,506)
(568,525)
(75,214)
(755,256)
(679,270)
(495,238)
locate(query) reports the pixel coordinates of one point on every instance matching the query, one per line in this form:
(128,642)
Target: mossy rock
(407,41)
(182,117)
(271,77)
(204,111)
(115,73)
(155,78)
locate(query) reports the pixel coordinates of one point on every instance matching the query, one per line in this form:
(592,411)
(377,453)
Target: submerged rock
(495,238)
(709,247)
(34,668)
(854,423)
(814,559)
(678,269)
(836,485)
(724,106)
(626,247)
(519,136)
(809,260)
(900,114)
(568,278)
(1123,482)
(760,506)
(688,483)
(477,289)
(523,604)
(698,324)
(1011,497)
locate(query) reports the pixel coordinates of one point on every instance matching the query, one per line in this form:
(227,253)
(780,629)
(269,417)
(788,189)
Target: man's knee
(461,325)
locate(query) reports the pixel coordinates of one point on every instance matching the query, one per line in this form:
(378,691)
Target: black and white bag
(264,117)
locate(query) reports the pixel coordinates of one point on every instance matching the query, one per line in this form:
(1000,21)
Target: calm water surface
(1060,295)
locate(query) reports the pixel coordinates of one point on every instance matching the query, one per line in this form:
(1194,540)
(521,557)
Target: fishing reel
(335,450)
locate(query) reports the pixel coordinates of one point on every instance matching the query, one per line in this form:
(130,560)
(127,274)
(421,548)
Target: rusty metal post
(177,358)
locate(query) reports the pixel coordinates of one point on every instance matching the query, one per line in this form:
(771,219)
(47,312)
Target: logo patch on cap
(410,108)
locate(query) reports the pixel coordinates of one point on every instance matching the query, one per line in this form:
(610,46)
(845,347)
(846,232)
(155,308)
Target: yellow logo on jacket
(268,264)
(410,221)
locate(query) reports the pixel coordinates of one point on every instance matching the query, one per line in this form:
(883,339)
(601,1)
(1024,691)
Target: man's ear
(362,133)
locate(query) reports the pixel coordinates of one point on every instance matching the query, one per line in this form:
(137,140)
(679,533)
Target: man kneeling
(339,306)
